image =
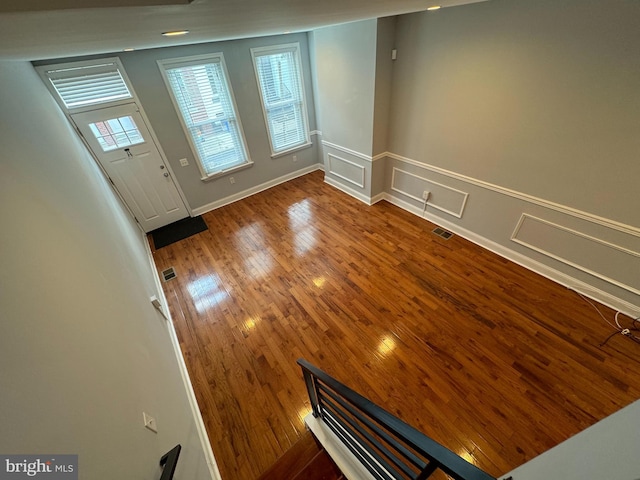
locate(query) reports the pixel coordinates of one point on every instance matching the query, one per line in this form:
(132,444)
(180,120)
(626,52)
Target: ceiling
(42,29)
(9,6)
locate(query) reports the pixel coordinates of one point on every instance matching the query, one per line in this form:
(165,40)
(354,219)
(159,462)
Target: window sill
(222,173)
(292,150)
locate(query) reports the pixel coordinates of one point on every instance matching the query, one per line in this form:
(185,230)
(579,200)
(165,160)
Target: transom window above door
(87,84)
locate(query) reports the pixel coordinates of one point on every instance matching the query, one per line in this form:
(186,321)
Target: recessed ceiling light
(175,33)
(435,7)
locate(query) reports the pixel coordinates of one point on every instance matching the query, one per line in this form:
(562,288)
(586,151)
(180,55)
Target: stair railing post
(427,471)
(310,382)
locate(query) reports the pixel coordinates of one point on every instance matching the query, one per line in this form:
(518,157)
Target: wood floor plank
(491,360)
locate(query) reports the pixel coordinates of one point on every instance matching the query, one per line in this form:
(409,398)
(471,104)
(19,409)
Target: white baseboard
(348,190)
(378,198)
(354,193)
(522,260)
(257,189)
(191,395)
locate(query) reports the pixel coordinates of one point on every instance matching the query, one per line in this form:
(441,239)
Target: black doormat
(176,231)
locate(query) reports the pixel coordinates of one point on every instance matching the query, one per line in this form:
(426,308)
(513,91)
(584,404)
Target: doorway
(121,142)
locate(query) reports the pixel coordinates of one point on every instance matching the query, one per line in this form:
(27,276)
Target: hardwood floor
(489,359)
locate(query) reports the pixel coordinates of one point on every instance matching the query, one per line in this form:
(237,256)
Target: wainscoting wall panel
(346,170)
(349,171)
(442,197)
(579,250)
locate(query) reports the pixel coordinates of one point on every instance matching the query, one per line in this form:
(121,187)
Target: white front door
(121,142)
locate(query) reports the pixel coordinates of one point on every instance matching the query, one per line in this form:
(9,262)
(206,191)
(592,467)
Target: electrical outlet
(184,162)
(232,180)
(426,194)
(150,422)
(295,158)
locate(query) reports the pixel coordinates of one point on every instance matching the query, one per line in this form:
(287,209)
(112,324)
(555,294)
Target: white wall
(511,107)
(82,350)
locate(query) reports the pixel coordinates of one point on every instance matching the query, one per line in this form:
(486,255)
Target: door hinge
(111,181)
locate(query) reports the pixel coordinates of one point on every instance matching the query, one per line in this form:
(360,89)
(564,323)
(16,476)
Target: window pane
(116,133)
(286,125)
(280,82)
(114,126)
(204,101)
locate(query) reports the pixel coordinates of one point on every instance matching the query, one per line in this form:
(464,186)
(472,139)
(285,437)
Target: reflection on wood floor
(489,359)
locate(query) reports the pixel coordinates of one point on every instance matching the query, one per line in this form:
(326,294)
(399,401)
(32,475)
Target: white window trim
(274,49)
(291,150)
(44,69)
(165,64)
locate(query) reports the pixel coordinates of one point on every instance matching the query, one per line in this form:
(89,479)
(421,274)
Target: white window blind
(279,77)
(204,100)
(87,85)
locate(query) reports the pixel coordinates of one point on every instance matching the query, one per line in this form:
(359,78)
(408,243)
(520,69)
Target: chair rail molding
(622,227)
(363,156)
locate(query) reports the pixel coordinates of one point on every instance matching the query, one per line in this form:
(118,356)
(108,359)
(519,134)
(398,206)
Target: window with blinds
(279,77)
(89,84)
(204,100)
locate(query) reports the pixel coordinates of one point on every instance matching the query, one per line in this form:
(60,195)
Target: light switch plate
(150,422)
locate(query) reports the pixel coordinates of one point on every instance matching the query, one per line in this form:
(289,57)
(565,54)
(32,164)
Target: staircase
(366,441)
(306,460)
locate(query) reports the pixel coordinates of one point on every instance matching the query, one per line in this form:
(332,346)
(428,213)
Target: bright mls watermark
(49,467)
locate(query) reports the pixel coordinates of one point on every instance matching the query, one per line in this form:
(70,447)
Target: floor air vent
(168,274)
(441,232)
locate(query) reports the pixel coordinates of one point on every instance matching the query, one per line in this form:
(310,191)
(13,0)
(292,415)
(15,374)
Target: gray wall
(385,43)
(540,97)
(511,107)
(344,69)
(345,74)
(82,350)
(143,71)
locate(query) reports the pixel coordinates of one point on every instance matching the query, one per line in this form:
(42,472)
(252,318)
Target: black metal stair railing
(169,461)
(384,444)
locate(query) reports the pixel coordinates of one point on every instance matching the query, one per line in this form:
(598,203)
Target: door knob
(166,174)
(161,167)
